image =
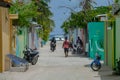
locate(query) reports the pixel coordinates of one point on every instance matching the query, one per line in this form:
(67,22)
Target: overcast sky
(62,13)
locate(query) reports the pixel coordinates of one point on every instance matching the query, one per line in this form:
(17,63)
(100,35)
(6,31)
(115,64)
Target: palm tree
(44,18)
(87,4)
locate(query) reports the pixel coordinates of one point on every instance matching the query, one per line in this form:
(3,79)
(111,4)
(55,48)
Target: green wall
(112,42)
(96,39)
(119,1)
(110,47)
(21,42)
(117,37)
(109,44)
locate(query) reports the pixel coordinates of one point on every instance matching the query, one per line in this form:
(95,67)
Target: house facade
(4,34)
(112,39)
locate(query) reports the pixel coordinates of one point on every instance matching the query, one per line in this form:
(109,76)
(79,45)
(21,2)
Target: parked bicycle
(96,64)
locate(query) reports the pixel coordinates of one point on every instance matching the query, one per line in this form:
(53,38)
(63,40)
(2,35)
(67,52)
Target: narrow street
(54,66)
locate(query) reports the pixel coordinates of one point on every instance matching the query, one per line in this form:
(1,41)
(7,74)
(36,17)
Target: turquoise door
(96,39)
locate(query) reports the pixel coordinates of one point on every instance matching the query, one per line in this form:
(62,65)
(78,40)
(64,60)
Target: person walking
(42,43)
(79,44)
(66,46)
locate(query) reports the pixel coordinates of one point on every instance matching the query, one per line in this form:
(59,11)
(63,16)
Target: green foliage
(103,9)
(65,26)
(81,18)
(111,17)
(87,4)
(44,19)
(37,10)
(25,12)
(116,1)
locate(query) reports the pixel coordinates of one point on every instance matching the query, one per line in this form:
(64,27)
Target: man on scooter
(53,43)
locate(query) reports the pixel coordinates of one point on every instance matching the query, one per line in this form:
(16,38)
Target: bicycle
(96,64)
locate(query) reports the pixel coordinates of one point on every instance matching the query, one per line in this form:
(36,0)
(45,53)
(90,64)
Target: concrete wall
(21,42)
(4,39)
(33,39)
(117,34)
(13,33)
(96,38)
(109,44)
(82,36)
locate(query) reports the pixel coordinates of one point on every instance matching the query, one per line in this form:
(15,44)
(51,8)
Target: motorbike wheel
(34,61)
(53,48)
(74,51)
(78,51)
(95,67)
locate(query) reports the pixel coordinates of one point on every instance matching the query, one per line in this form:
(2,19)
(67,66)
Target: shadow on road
(106,73)
(78,55)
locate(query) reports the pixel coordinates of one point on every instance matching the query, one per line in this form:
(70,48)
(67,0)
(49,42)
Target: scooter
(31,55)
(74,49)
(79,49)
(53,46)
(96,65)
